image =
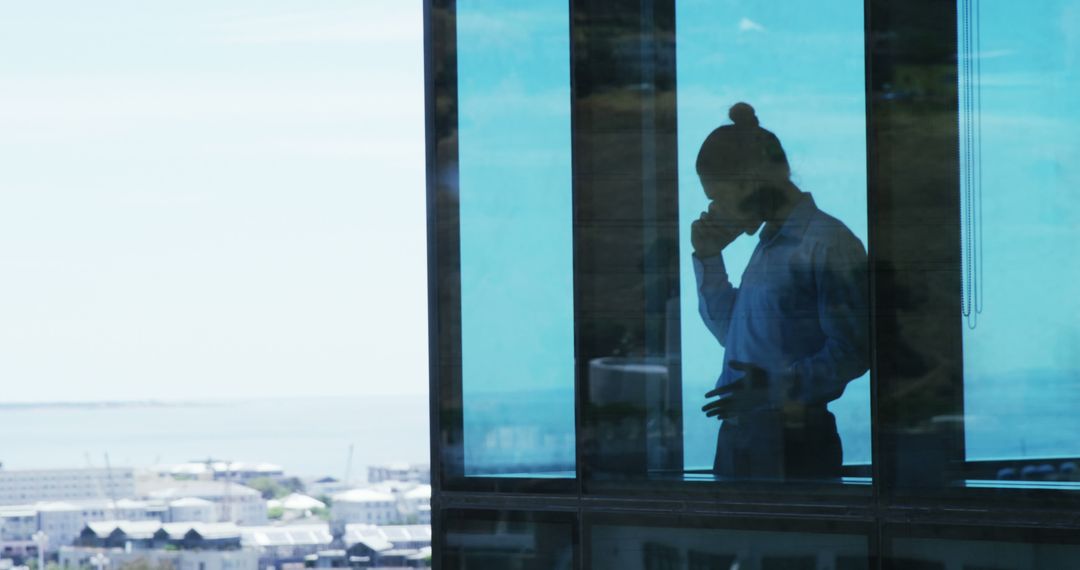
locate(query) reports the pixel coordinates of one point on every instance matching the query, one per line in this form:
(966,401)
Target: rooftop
(362,496)
(300,502)
(169,490)
(293,535)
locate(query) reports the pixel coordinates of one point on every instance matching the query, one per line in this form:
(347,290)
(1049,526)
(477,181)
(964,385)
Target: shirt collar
(795,225)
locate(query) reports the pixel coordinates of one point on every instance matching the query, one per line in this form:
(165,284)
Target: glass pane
(799,313)
(510,541)
(693,548)
(936,554)
(516,237)
(626,248)
(1019,176)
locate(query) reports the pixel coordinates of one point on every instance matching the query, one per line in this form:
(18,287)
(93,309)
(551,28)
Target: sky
(516,211)
(211,200)
(1021,358)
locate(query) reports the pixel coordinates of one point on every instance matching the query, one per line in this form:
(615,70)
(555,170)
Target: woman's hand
(711,233)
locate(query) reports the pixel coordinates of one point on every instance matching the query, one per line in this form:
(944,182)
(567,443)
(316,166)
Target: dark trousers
(771,446)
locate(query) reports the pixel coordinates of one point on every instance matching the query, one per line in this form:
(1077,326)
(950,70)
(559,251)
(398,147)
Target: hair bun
(742,114)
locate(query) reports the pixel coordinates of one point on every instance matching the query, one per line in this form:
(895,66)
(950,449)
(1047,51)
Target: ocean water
(307,436)
(1006,417)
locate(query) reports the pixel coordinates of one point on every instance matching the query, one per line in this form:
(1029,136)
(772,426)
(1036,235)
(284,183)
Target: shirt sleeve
(716,296)
(840,273)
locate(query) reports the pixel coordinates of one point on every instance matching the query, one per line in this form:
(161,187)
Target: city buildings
(61,521)
(238,471)
(184,501)
(174,505)
(232,501)
(363,506)
(613,221)
(388,502)
(359,545)
(226,546)
(182,546)
(21,486)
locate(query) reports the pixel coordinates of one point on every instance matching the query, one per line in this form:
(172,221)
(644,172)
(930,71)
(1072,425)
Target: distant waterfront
(307,436)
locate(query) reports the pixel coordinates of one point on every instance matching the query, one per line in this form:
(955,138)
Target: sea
(1033,416)
(308,436)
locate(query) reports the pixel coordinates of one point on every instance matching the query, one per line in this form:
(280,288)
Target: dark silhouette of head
(743,168)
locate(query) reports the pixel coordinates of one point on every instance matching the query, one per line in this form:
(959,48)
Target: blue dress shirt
(801,311)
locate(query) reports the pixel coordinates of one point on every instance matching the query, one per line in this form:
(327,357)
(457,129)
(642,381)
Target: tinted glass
(1020,214)
(676,548)
(516,232)
(800,311)
(507,541)
(934,554)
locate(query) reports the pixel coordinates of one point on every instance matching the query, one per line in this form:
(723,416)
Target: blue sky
(516,208)
(1021,361)
(516,230)
(211,199)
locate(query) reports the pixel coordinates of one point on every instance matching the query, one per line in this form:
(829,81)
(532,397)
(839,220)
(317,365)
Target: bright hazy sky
(207,200)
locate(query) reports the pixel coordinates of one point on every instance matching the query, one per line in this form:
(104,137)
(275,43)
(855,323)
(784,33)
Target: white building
(193,509)
(61,521)
(17,527)
(132,510)
(239,471)
(366,506)
(24,486)
(296,506)
(415,504)
(235,502)
(388,502)
(399,472)
(286,545)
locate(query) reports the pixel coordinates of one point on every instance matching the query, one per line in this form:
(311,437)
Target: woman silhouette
(795,330)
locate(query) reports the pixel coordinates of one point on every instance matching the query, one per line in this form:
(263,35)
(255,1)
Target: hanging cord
(971,226)
(978,156)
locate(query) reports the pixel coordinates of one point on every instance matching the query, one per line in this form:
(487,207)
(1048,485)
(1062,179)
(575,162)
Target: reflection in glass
(510,541)
(936,554)
(798,327)
(516,226)
(1021,215)
(662,548)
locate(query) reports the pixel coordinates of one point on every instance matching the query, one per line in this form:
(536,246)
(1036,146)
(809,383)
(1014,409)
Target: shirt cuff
(710,268)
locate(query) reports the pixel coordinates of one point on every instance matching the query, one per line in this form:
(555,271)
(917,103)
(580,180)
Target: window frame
(908,175)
